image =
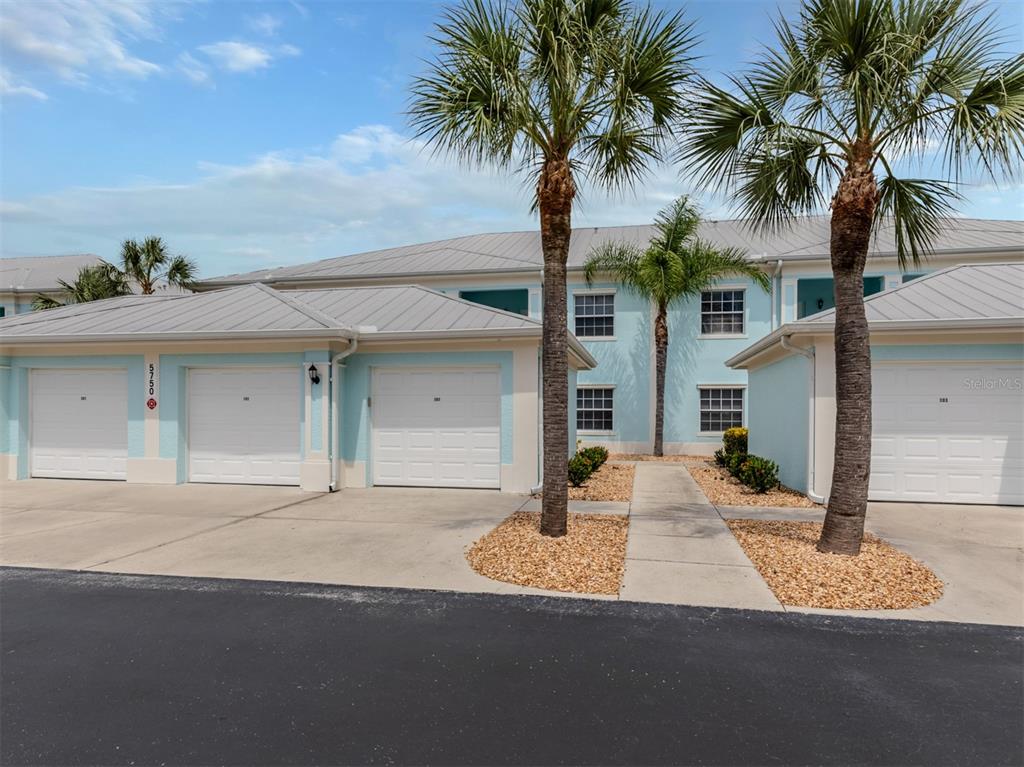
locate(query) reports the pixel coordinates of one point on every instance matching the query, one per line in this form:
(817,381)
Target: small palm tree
(561,90)
(93,283)
(675,266)
(149,262)
(856,94)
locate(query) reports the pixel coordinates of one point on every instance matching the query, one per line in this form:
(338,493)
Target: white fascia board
(953,253)
(238,335)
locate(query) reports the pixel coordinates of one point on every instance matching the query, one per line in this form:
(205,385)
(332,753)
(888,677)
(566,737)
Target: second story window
(722,312)
(595,315)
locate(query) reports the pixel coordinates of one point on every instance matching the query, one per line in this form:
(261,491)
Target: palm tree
(93,283)
(562,90)
(855,95)
(675,266)
(149,262)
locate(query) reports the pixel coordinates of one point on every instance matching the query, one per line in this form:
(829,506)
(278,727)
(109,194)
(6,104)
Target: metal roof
(257,311)
(41,273)
(968,296)
(965,292)
(807,238)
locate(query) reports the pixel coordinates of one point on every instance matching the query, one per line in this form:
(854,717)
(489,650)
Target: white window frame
(746,312)
(743,409)
(594,292)
(611,388)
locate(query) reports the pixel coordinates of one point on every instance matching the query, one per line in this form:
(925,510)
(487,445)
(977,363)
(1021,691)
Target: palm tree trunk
(555,192)
(660,358)
(853,209)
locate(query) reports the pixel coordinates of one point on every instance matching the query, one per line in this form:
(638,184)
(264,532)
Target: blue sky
(257,133)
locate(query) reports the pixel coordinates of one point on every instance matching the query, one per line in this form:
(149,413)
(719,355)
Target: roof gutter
(874,326)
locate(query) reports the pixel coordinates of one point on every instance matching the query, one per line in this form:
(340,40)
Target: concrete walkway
(680,550)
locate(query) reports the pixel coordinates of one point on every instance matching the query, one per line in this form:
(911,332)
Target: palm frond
(915,207)
(182,272)
(665,275)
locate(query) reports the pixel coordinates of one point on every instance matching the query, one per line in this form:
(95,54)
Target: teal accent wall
(515,300)
(16,399)
(810,291)
(778,417)
(174,394)
(356,387)
(953,352)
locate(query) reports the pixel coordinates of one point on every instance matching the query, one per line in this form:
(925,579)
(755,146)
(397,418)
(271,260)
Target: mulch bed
(881,577)
(589,559)
(722,489)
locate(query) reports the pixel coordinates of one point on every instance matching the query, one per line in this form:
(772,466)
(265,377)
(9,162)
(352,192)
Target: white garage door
(243,425)
(948,433)
(437,428)
(79,424)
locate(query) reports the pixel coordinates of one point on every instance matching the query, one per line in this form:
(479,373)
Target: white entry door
(243,425)
(79,424)
(948,433)
(436,427)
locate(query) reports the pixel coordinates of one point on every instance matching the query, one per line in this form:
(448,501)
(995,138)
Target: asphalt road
(105,669)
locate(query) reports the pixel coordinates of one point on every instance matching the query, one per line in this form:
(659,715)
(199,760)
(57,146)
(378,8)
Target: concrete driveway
(679,552)
(379,537)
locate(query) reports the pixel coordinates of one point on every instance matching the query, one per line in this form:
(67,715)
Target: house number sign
(151,386)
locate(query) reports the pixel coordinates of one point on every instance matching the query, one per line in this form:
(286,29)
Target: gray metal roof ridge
(307,311)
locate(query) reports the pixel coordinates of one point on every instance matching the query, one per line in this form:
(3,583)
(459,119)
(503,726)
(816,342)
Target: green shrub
(720,457)
(580,469)
(759,474)
(596,454)
(735,440)
(734,461)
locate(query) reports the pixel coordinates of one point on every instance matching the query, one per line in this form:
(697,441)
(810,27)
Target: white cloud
(9,87)
(265,24)
(370,188)
(194,69)
(237,57)
(75,39)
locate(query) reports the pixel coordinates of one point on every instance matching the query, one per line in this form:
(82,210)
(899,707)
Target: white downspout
(540,424)
(809,354)
(775,276)
(335,373)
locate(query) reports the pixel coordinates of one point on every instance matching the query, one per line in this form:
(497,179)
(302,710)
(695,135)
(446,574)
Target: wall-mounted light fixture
(314,374)
(821,304)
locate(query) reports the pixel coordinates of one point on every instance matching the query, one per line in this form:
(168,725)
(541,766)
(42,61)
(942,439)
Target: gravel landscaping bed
(881,577)
(589,559)
(658,458)
(612,482)
(722,489)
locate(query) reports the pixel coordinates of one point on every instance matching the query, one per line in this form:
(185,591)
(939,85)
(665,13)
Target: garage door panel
(947,433)
(244,425)
(78,423)
(436,427)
